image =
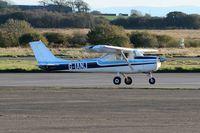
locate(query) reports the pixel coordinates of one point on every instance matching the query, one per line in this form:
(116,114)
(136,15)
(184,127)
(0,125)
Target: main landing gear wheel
(117,80)
(152,81)
(128,80)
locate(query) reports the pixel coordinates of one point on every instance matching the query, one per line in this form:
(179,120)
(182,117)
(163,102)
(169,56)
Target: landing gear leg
(152,80)
(127,80)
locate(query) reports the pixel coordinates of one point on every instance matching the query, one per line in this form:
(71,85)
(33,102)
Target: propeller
(162,59)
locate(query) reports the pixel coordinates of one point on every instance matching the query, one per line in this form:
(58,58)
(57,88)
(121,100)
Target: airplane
(119,60)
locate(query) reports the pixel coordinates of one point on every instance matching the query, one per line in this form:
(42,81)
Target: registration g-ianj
(117,60)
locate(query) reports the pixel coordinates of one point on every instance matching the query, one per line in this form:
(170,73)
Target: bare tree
(59,2)
(71,4)
(81,6)
(76,5)
(44,2)
(85,7)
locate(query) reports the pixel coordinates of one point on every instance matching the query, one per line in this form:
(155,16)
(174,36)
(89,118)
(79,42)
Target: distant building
(121,14)
(108,14)
(53,8)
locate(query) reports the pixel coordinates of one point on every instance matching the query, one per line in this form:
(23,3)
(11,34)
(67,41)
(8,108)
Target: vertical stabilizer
(43,55)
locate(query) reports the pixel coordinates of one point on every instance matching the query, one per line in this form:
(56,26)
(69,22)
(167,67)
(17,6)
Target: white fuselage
(141,65)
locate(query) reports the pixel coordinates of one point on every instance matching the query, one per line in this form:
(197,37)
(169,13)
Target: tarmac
(99,80)
(88,103)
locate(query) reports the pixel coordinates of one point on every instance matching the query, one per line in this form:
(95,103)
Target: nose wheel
(152,80)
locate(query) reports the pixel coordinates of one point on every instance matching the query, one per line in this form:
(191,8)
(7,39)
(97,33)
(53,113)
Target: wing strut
(123,55)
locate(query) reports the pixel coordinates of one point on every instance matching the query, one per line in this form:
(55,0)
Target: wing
(115,49)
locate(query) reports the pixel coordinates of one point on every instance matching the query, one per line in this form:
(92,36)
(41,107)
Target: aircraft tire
(128,81)
(117,80)
(152,81)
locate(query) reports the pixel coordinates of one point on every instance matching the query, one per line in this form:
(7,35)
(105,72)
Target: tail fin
(43,55)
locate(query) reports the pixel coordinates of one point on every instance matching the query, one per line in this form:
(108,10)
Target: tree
(13,29)
(44,2)
(175,19)
(147,15)
(108,34)
(95,12)
(71,4)
(175,14)
(76,5)
(136,13)
(81,6)
(59,2)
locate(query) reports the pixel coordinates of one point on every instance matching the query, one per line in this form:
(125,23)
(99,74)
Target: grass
(181,66)
(174,52)
(69,31)
(15,52)
(18,66)
(30,66)
(77,53)
(72,53)
(177,33)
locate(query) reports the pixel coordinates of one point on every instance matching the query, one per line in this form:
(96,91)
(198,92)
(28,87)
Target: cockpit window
(137,53)
(111,57)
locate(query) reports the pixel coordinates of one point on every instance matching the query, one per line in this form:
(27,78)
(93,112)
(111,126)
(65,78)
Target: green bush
(108,34)
(192,43)
(29,37)
(2,40)
(165,41)
(78,40)
(13,29)
(143,39)
(57,39)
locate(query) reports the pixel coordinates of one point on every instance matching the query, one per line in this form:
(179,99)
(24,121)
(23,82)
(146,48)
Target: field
(74,53)
(181,66)
(77,53)
(187,34)
(114,17)
(18,66)
(71,53)
(31,66)
(64,30)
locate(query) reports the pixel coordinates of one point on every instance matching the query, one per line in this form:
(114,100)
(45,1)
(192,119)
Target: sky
(153,7)
(125,3)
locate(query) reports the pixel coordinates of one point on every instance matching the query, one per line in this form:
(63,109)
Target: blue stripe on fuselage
(89,64)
